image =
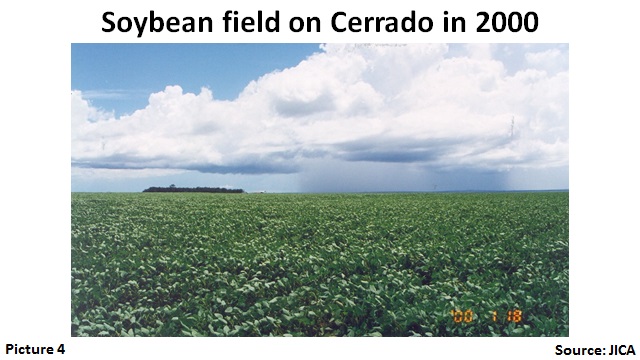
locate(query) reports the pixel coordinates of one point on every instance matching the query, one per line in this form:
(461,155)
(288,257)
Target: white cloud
(82,112)
(379,104)
(551,60)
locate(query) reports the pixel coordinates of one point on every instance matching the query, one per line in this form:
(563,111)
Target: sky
(320,117)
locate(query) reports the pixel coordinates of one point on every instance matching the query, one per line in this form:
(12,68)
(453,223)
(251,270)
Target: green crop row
(187,264)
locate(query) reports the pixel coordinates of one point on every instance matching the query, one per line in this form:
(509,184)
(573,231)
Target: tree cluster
(173,188)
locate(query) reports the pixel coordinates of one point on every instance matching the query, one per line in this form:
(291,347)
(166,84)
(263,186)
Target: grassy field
(184,264)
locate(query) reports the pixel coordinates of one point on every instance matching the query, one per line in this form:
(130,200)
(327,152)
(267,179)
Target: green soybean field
(396,264)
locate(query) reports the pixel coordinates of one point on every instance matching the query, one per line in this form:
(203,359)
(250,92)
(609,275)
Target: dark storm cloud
(257,164)
(380,149)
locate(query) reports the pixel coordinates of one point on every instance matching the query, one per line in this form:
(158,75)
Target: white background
(35,158)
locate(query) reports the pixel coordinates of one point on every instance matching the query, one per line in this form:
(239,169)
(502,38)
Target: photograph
(319,190)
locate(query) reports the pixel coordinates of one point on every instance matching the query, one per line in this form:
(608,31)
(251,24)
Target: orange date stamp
(467,316)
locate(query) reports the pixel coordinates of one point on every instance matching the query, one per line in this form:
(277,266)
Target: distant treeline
(173,188)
